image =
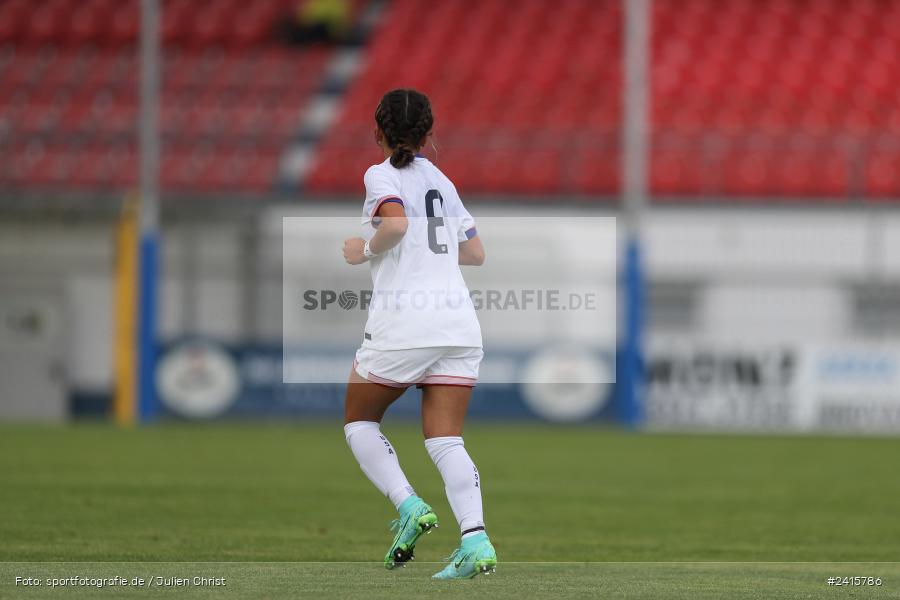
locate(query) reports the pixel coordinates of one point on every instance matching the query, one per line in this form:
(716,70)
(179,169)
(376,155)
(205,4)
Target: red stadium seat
(596,171)
(883,173)
(231,97)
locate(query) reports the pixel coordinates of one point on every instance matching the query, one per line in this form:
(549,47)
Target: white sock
(378,460)
(461,480)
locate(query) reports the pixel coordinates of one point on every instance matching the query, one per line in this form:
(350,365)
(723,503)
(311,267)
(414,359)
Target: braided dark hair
(404,117)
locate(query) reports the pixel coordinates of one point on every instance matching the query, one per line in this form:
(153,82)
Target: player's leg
(443,414)
(367,401)
(364,407)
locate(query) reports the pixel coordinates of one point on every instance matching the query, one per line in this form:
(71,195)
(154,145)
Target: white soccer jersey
(419,298)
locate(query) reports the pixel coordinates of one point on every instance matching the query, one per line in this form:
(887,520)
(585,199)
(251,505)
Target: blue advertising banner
(199,379)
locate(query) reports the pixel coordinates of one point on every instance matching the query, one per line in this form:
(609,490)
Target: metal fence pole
(149,209)
(635,138)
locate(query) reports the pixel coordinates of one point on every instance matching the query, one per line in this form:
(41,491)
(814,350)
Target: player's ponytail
(404,117)
(402,156)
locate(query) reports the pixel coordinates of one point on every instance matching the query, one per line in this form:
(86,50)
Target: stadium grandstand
(678,222)
(748,98)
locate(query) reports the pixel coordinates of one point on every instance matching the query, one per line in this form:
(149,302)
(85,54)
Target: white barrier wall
(776,275)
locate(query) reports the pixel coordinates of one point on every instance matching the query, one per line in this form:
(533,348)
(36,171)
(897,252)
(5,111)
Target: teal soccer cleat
(475,555)
(416,518)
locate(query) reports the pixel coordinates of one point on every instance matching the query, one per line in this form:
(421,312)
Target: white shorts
(441,365)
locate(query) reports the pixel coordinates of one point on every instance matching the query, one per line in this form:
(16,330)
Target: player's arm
(389,233)
(471,252)
(392,228)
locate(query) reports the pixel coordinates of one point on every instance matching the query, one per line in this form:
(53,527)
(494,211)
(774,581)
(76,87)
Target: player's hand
(353,251)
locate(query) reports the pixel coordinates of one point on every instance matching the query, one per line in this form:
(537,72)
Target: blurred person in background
(317,21)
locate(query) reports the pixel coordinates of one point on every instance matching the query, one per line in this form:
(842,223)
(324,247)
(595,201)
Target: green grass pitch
(283,511)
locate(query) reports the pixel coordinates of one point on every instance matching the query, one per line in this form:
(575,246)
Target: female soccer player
(422,330)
